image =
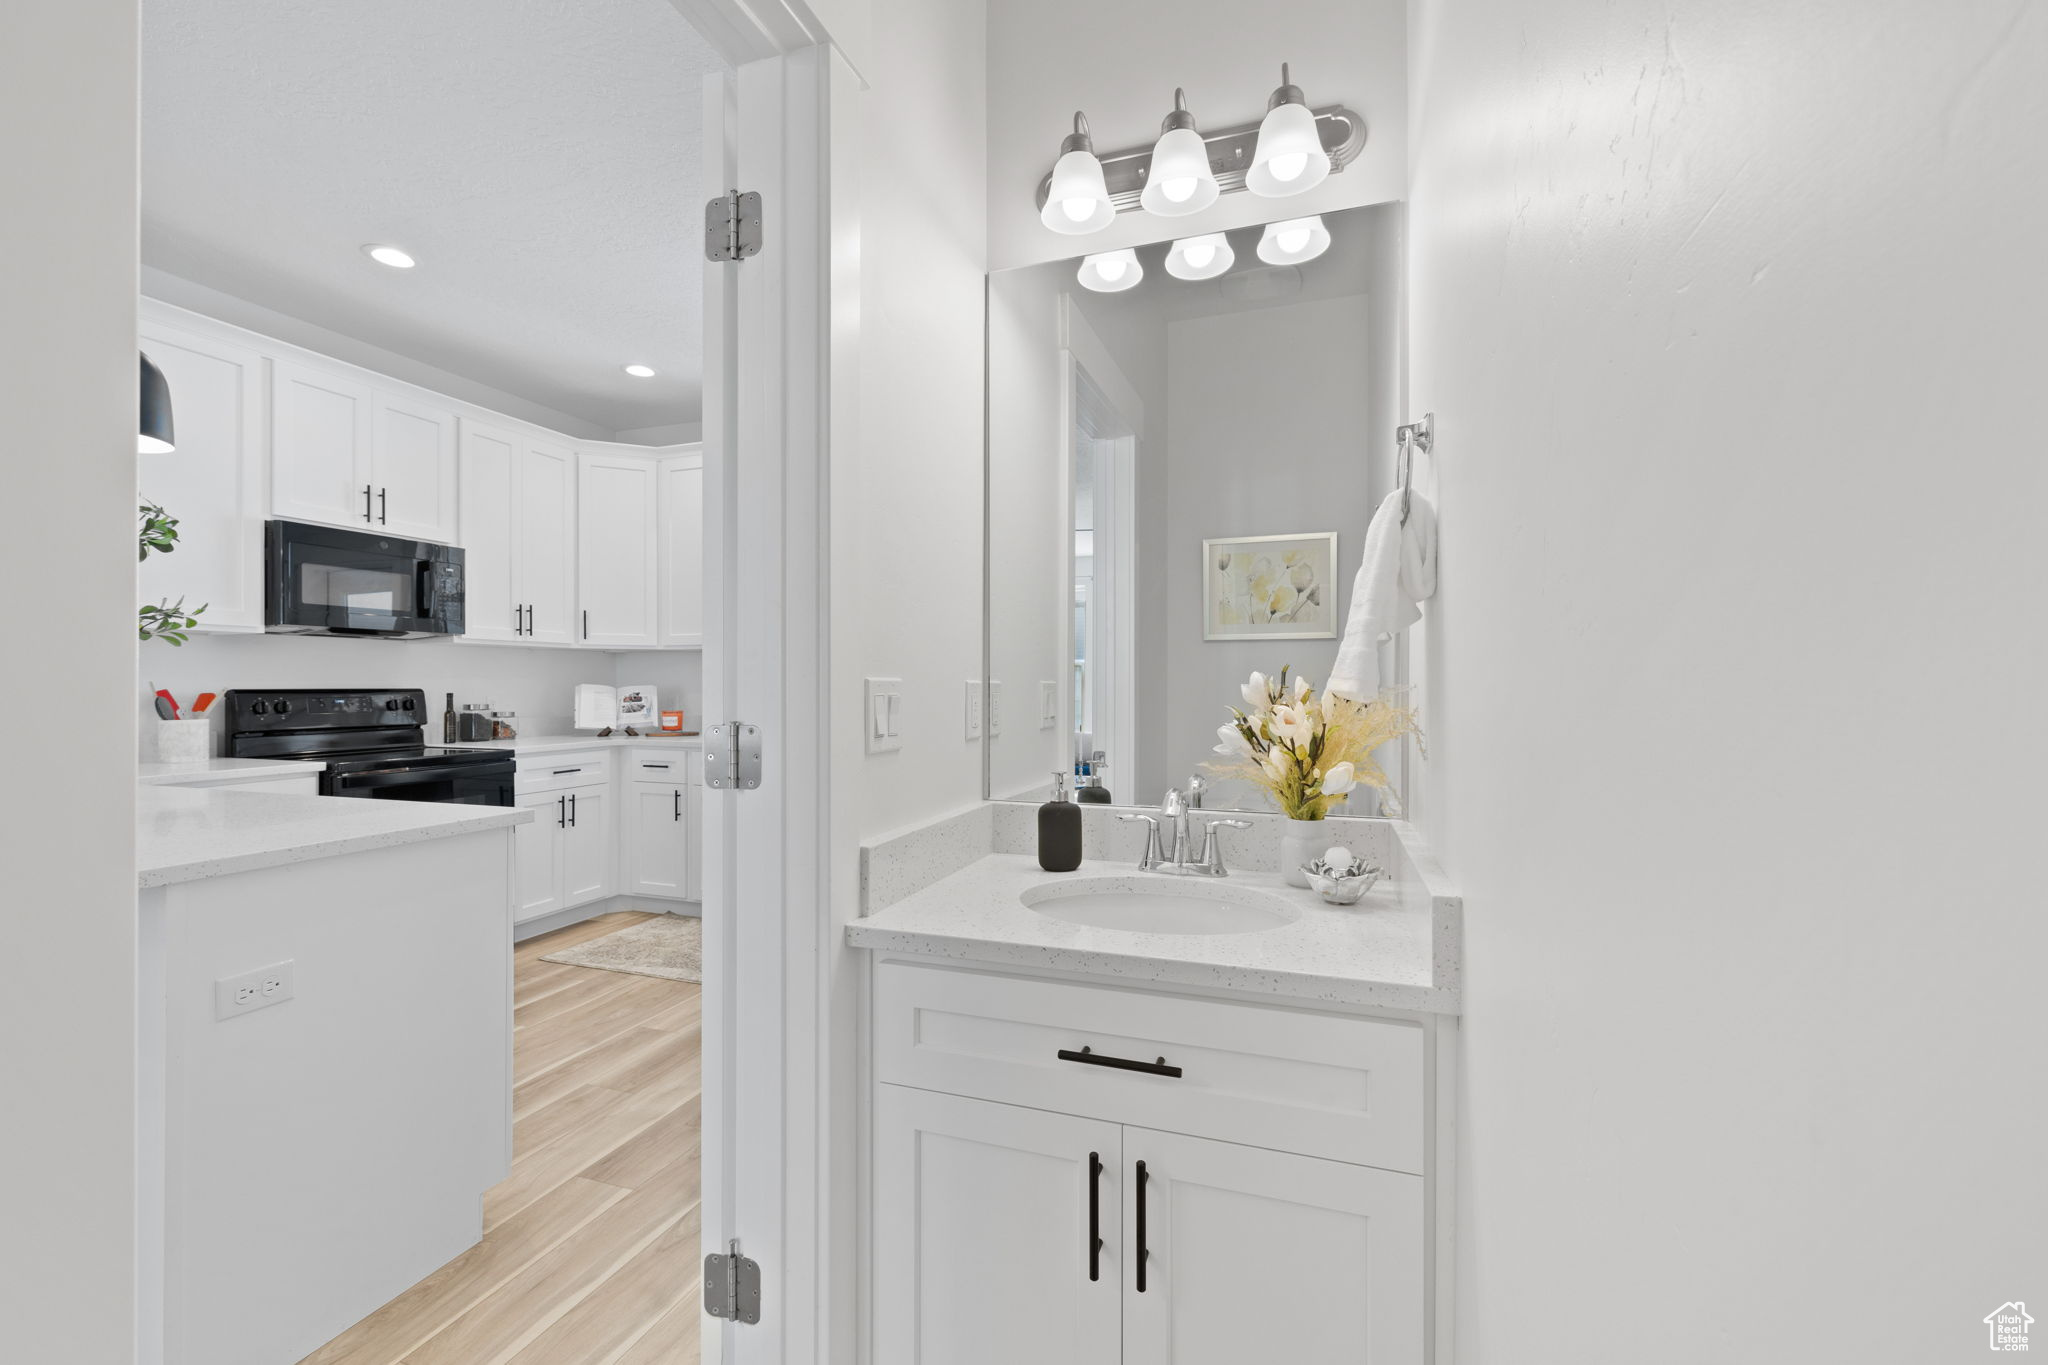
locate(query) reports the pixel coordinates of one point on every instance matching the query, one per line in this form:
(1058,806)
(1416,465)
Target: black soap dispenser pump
(1059,829)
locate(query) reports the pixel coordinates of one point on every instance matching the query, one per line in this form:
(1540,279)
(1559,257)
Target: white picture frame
(1280,587)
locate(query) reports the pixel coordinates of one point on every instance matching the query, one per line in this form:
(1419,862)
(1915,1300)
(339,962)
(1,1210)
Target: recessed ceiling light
(640,371)
(389,255)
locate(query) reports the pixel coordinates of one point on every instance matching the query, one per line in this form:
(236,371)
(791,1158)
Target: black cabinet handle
(1142,1253)
(561,812)
(381,505)
(529,618)
(572,810)
(1091,1057)
(586,623)
(654,765)
(518,620)
(563,772)
(366,501)
(678,814)
(1095,1215)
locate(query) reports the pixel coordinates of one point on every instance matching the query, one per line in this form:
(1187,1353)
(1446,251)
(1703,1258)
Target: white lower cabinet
(564,857)
(656,839)
(1051,1216)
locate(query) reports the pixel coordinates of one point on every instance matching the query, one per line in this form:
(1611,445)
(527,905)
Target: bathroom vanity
(1190,1121)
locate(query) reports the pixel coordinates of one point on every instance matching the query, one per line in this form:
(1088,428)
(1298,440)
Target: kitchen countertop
(185,835)
(1398,948)
(542,744)
(210,772)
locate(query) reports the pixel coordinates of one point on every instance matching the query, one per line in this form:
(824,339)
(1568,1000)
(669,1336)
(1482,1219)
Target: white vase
(1301,843)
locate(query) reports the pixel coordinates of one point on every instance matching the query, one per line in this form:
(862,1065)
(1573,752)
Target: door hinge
(732,757)
(732,226)
(732,1286)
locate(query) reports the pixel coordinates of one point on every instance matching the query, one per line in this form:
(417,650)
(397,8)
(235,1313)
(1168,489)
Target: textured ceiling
(539,157)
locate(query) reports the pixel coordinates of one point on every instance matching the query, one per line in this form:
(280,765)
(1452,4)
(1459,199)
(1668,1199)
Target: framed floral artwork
(1270,587)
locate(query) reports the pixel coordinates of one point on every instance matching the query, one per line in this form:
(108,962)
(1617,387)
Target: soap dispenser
(1091,792)
(1059,829)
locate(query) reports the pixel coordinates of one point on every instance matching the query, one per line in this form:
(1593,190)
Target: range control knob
(391,703)
(409,705)
(258,709)
(280,706)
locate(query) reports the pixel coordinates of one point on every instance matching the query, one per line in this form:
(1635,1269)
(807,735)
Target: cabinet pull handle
(366,501)
(561,812)
(1143,1254)
(586,623)
(518,620)
(572,810)
(529,618)
(1094,1215)
(381,506)
(1091,1057)
(654,765)
(678,814)
(564,772)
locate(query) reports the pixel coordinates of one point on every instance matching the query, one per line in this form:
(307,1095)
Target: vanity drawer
(559,772)
(1335,1086)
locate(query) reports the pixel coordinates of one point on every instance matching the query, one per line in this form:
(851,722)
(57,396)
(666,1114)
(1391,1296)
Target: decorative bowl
(1340,878)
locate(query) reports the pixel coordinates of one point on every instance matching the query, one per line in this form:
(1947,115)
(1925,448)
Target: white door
(1254,1255)
(412,462)
(492,608)
(657,837)
(320,469)
(682,549)
(998,1239)
(212,483)
(615,550)
(537,856)
(545,533)
(693,828)
(587,846)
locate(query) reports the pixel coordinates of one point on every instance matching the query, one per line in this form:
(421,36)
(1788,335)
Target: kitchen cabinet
(412,464)
(346,454)
(1221,1238)
(212,483)
(562,859)
(998,1233)
(617,513)
(658,844)
(681,521)
(587,846)
(518,533)
(537,884)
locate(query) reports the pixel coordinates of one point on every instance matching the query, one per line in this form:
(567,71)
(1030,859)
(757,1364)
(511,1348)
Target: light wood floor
(590,1253)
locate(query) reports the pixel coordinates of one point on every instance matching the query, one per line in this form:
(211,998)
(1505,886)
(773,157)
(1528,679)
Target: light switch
(882,699)
(974,708)
(995,708)
(1048,705)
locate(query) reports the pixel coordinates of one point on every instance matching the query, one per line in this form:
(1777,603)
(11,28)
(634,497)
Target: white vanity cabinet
(1259,1195)
(518,536)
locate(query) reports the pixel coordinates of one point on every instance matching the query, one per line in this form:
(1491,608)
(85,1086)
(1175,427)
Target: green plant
(170,621)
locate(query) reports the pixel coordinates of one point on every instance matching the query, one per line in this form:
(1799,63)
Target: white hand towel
(1396,576)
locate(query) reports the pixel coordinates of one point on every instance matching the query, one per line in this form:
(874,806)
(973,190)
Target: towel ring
(1406,440)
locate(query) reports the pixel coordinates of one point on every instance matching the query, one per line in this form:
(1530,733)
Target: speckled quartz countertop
(185,834)
(213,772)
(1397,948)
(542,744)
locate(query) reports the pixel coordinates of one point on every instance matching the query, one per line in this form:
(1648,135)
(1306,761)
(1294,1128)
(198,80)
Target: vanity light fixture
(389,255)
(154,434)
(1290,158)
(640,371)
(1111,272)
(1294,241)
(1200,258)
(1179,180)
(1078,200)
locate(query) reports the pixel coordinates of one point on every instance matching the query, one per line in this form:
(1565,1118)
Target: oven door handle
(371,778)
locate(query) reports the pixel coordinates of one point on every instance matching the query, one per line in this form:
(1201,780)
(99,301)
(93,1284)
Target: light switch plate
(882,714)
(994,717)
(974,708)
(1048,705)
(233,995)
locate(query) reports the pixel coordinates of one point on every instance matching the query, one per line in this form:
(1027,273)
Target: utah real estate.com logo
(2008,1325)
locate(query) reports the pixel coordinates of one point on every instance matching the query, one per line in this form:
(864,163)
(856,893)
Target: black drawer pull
(654,765)
(561,771)
(1093,1058)
(1095,1215)
(1144,1253)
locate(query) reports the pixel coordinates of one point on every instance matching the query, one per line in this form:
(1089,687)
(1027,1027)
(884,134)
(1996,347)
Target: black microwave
(319,580)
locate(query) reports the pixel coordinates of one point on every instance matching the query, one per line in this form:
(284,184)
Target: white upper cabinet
(615,579)
(518,536)
(681,477)
(492,608)
(544,512)
(320,466)
(212,483)
(412,464)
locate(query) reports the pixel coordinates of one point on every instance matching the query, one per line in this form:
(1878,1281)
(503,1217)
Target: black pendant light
(155,436)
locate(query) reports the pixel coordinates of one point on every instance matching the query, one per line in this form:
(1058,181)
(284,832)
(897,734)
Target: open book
(599,707)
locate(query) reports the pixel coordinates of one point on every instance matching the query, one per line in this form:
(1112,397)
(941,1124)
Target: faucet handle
(1152,856)
(1212,851)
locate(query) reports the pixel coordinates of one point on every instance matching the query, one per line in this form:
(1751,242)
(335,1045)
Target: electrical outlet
(882,709)
(994,716)
(1048,705)
(233,995)
(974,708)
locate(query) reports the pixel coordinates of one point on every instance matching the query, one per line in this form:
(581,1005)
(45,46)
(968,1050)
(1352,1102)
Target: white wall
(1120,63)
(1730,316)
(537,683)
(68,386)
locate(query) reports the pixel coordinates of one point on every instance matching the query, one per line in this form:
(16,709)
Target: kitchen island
(325,1034)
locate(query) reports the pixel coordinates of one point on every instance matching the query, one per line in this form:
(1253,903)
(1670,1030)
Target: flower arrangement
(1309,750)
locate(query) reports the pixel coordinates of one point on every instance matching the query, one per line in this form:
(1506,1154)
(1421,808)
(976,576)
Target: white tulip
(1256,695)
(1341,778)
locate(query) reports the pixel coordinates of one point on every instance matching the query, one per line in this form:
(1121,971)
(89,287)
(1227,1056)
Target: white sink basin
(1142,904)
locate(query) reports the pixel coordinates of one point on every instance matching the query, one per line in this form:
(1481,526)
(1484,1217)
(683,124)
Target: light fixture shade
(1200,258)
(1077,201)
(1289,158)
(1179,180)
(155,434)
(1111,272)
(1294,241)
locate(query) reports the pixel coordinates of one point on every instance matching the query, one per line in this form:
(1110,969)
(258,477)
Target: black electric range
(374,744)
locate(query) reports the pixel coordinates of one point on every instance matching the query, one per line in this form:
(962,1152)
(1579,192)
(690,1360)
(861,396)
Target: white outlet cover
(1048,705)
(266,986)
(882,714)
(974,708)
(994,717)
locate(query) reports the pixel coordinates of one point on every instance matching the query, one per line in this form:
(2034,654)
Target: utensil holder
(184,741)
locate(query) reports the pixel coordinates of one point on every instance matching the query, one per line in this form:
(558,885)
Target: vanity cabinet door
(657,846)
(1254,1255)
(537,850)
(982,1229)
(587,846)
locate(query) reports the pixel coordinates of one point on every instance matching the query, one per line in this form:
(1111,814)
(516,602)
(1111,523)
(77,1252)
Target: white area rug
(668,946)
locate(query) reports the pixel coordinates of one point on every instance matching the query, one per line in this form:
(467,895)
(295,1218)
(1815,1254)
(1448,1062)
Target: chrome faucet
(1176,808)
